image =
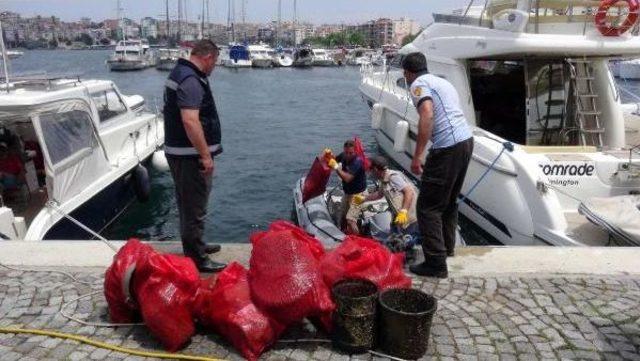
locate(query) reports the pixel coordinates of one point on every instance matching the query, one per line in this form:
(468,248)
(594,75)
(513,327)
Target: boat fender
(511,20)
(377,111)
(401,135)
(607,29)
(141,183)
(159,161)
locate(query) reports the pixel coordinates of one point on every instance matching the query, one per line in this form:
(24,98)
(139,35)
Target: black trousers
(192,196)
(437,209)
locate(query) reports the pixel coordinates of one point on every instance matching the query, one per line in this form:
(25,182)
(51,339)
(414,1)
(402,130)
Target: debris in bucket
(354,320)
(405,322)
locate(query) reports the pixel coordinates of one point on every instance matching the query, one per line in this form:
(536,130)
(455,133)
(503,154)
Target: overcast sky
(316,11)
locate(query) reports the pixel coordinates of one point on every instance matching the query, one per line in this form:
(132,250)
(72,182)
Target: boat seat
(559,149)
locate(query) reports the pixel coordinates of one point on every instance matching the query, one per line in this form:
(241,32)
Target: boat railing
(539,13)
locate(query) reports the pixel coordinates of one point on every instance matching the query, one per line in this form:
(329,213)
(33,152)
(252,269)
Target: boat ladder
(587,114)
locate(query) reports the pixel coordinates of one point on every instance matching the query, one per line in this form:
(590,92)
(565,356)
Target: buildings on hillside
(41,31)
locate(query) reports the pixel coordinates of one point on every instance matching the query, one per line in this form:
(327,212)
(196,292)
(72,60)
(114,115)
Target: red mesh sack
(122,307)
(226,307)
(359,257)
(316,248)
(165,287)
(359,149)
(316,181)
(285,277)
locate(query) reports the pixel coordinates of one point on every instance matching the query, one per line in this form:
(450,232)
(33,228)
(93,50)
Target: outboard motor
(380,226)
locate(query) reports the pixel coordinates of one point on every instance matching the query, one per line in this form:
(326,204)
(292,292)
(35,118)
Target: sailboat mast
(295,22)
(5,58)
(168,20)
(179,32)
(279,28)
(202,20)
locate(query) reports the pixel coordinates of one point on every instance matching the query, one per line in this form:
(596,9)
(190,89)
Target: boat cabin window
(499,94)
(66,134)
(109,104)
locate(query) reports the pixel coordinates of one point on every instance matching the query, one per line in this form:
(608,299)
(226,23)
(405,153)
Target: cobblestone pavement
(503,318)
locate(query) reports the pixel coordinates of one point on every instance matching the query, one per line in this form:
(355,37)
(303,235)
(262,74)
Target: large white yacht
(548,123)
(83,146)
(131,55)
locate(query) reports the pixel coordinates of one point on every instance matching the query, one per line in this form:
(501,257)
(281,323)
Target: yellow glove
(327,154)
(358,199)
(333,164)
(402,218)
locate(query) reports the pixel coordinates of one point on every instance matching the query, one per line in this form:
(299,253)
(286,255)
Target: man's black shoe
(212,248)
(430,270)
(208,266)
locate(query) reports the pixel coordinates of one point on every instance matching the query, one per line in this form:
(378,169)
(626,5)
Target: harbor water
(274,122)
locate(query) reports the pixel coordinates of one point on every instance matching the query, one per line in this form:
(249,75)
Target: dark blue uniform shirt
(355,168)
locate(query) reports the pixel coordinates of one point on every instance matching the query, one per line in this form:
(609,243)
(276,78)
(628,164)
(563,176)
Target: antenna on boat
(168,22)
(5,57)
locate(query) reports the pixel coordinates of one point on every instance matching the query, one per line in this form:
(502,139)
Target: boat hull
(127,65)
(262,63)
(99,211)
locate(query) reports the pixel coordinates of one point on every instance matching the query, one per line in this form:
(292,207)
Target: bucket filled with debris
(405,322)
(354,320)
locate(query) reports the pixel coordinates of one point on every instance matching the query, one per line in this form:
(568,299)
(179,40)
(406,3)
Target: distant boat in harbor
(131,55)
(239,57)
(322,58)
(13,54)
(303,58)
(168,58)
(259,55)
(281,59)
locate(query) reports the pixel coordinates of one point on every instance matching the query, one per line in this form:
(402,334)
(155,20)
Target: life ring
(608,30)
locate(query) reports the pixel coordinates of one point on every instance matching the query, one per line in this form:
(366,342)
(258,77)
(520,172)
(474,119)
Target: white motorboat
(84,148)
(322,58)
(536,79)
(13,54)
(359,57)
(303,58)
(281,59)
(239,57)
(131,55)
(260,57)
(168,58)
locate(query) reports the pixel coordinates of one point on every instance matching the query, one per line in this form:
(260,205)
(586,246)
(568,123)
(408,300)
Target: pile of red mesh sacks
(289,280)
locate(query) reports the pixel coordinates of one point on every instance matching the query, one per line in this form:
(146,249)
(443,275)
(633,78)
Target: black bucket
(354,319)
(405,322)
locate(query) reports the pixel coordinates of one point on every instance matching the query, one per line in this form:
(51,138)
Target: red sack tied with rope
(316,181)
(117,281)
(226,308)
(165,287)
(285,276)
(359,257)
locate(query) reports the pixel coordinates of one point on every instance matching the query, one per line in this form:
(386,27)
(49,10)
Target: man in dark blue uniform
(350,168)
(192,140)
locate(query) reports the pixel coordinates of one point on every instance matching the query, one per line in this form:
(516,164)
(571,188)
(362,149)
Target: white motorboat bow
(84,146)
(536,77)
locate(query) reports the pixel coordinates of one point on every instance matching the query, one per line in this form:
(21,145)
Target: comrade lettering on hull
(553,170)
